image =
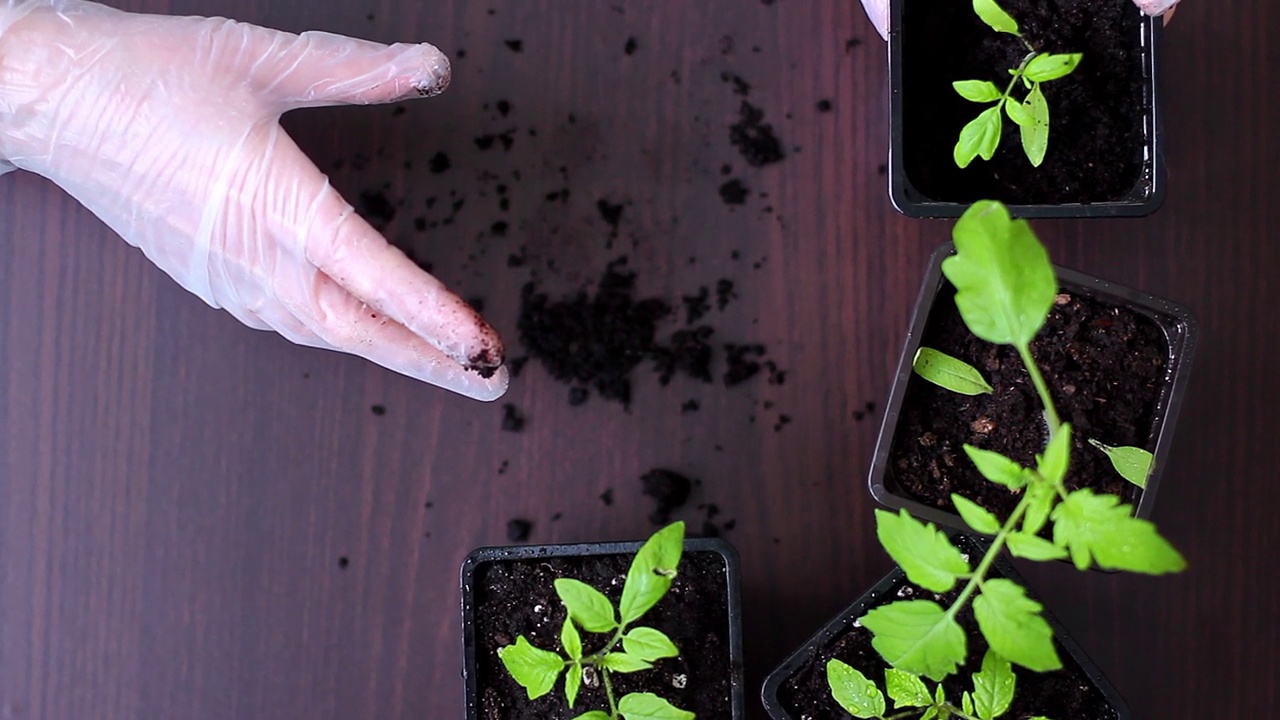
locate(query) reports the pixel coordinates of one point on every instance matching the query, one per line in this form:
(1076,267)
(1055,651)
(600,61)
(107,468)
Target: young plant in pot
(954,632)
(612,631)
(1048,105)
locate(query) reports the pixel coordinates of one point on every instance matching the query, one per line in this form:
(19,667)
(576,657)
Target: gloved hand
(878,11)
(167,129)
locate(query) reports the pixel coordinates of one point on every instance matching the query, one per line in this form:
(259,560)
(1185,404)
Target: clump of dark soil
(512,419)
(754,138)
(515,598)
(1096,135)
(376,209)
(734,192)
(518,530)
(669,489)
(1105,367)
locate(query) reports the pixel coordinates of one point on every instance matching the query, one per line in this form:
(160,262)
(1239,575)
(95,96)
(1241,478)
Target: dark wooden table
(176,491)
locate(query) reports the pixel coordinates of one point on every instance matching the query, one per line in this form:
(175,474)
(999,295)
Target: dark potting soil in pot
(1096,134)
(1065,694)
(1105,366)
(519,598)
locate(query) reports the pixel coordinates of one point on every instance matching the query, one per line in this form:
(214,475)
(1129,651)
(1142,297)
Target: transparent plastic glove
(167,129)
(878,11)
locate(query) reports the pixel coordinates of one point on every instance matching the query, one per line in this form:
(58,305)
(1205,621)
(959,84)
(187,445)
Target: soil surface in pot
(1096,135)
(1105,366)
(1065,694)
(518,598)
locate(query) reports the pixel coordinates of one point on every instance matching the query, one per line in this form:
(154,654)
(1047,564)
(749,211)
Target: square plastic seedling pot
(1175,321)
(840,624)
(482,556)
(1144,199)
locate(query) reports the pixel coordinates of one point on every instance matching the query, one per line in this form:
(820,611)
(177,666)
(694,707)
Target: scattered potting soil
(438,163)
(734,192)
(378,410)
(630,47)
(515,598)
(606,497)
(669,488)
(512,419)
(824,106)
(754,138)
(1096,135)
(514,45)
(376,209)
(1105,367)
(1065,694)
(343,562)
(518,530)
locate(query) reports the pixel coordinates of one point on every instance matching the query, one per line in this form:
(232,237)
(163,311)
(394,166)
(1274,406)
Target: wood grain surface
(176,491)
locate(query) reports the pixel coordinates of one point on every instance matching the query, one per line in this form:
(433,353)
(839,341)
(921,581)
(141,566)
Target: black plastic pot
(473,571)
(773,692)
(1180,333)
(1144,198)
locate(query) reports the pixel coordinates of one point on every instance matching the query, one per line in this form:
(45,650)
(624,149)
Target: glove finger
(878,14)
(317,69)
(1155,7)
(342,322)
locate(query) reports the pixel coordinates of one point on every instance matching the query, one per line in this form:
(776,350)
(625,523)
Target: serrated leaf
(979,91)
(1040,498)
(1035,135)
(652,571)
(853,691)
(586,605)
(930,714)
(570,640)
(1133,464)
(624,663)
(533,668)
(949,372)
(905,689)
(993,686)
(648,644)
(966,703)
(647,706)
(995,16)
(975,516)
(1004,283)
(922,551)
(997,468)
(918,637)
(980,137)
(1033,547)
(1098,528)
(1012,624)
(593,715)
(572,683)
(1052,466)
(1046,67)
(1017,112)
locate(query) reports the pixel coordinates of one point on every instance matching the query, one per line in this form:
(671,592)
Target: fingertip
(473,384)
(434,71)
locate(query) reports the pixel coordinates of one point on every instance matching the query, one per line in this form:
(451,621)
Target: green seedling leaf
(979,91)
(1046,67)
(533,668)
(1033,547)
(905,689)
(853,691)
(1040,499)
(997,468)
(624,663)
(1012,624)
(1038,717)
(922,551)
(1100,529)
(976,516)
(966,703)
(1004,283)
(980,137)
(647,706)
(571,640)
(587,606)
(940,698)
(1018,113)
(1052,466)
(648,644)
(651,572)
(950,373)
(995,16)
(594,715)
(1133,464)
(1035,135)
(993,687)
(916,636)
(930,714)
(572,683)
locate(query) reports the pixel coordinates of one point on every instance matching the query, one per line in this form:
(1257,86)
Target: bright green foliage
(1100,529)
(917,636)
(981,136)
(1057,455)
(905,689)
(922,551)
(997,468)
(853,691)
(976,516)
(993,687)
(1004,282)
(1033,547)
(652,571)
(948,372)
(1133,464)
(1011,623)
